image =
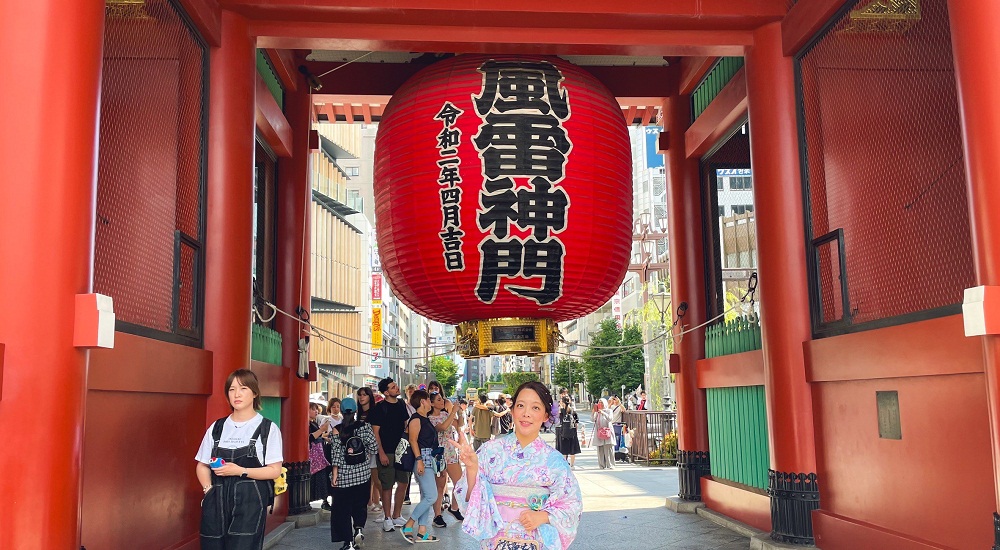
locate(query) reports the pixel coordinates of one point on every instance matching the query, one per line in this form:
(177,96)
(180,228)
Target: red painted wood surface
(926,348)
(785,322)
(286,66)
(270,121)
(692,71)
(804,20)
(273,379)
(726,371)
(293,265)
(835,532)
(367,36)
(719,118)
(973,43)
(48,148)
(748,505)
(207,19)
(144,365)
(943,418)
(229,216)
(687,277)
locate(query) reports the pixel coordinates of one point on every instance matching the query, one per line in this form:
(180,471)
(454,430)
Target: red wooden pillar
(785,320)
(975,43)
(48,149)
(229,235)
(687,285)
(294,228)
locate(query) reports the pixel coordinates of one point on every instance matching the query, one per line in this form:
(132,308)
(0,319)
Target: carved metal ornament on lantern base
(793,498)
(691,466)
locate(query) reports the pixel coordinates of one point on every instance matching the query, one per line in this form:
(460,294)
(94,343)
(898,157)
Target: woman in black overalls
(237,494)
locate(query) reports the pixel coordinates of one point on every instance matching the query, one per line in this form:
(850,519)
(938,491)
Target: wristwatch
(244,474)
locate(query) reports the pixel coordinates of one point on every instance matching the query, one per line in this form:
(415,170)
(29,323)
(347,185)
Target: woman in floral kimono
(519,493)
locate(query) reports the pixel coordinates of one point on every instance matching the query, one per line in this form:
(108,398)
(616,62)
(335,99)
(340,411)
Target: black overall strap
(217,433)
(262,432)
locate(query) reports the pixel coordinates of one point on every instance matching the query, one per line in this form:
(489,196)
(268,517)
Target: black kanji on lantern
(541,208)
(522,86)
(448,114)
(522,106)
(451,195)
(497,211)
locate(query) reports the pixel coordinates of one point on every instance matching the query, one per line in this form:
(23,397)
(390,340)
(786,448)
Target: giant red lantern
(503,192)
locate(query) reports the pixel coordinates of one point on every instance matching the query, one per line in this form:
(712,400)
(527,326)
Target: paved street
(623,509)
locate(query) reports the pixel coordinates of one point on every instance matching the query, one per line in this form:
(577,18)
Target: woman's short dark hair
(435,383)
(417,396)
(248,379)
(543,393)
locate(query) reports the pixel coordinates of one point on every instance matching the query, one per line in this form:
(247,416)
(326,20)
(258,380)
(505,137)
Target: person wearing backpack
(351,449)
(238,461)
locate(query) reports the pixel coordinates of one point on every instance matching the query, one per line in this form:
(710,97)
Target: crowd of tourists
(482,464)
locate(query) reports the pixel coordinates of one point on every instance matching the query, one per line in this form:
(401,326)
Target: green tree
(566,367)
(631,365)
(598,362)
(615,358)
(446,372)
(515,379)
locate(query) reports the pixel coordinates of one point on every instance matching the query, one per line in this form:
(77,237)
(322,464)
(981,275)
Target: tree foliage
(515,379)
(564,368)
(446,372)
(607,363)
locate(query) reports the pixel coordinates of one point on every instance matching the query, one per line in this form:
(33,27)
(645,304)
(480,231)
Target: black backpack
(354,450)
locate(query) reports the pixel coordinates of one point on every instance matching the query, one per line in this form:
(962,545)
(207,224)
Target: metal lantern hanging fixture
(503,192)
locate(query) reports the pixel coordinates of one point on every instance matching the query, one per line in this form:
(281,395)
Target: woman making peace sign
(519,492)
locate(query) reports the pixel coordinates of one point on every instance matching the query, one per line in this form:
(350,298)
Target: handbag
(317,458)
(605,433)
(405,460)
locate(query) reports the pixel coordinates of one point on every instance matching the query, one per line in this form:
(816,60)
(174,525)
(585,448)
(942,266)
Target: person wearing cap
(351,478)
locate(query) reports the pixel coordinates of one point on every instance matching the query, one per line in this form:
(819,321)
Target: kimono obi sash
(514,499)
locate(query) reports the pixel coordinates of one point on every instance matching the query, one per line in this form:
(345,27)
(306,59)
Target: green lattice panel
(737,434)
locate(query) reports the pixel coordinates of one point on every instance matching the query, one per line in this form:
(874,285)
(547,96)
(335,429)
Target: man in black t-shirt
(388,419)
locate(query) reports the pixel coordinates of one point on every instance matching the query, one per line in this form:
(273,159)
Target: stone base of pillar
(691,465)
(680,506)
(793,498)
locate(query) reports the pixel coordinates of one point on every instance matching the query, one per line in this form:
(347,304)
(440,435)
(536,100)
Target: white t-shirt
(234,438)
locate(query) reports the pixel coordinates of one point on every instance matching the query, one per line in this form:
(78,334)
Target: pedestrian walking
(351,448)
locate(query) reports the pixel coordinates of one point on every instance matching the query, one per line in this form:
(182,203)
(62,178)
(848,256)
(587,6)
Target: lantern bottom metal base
(507,336)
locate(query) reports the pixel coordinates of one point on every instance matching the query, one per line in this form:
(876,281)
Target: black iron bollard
(691,465)
(299,487)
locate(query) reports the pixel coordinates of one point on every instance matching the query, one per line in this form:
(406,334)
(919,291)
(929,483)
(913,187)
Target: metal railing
(648,429)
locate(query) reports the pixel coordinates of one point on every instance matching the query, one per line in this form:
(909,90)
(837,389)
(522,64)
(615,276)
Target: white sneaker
(388,526)
(399,522)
